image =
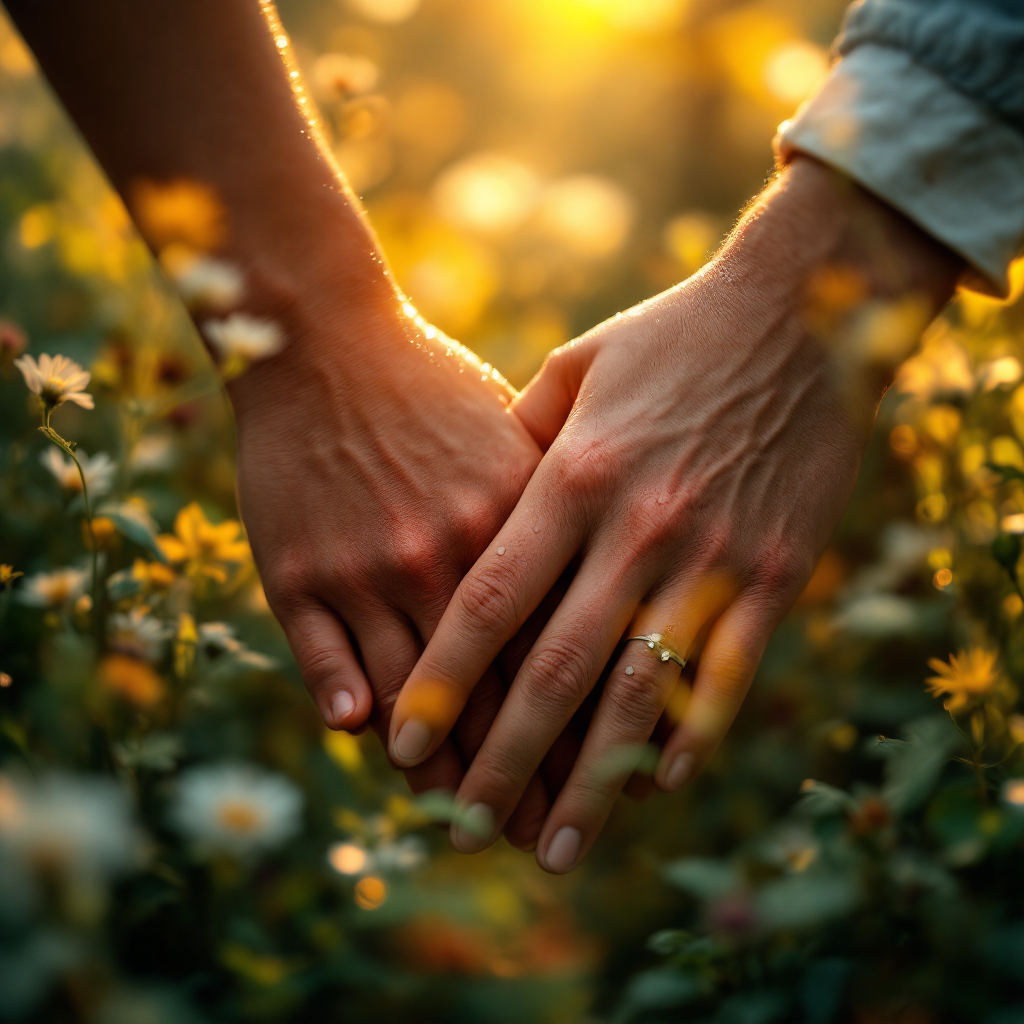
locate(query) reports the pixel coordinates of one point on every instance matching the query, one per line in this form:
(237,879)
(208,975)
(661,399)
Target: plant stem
(65,446)
(5,600)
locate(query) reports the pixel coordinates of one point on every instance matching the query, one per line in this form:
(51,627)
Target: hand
(376,459)
(711,440)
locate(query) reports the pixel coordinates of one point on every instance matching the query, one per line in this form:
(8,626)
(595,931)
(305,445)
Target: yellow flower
(179,211)
(7,574)
(55,380)
(203,547)
(132,679)
(969,675)
(152,575)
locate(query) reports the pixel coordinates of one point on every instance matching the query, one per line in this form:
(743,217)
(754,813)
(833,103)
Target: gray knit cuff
(946,162)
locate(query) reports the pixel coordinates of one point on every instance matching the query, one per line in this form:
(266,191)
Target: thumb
(329,665)
(544,405)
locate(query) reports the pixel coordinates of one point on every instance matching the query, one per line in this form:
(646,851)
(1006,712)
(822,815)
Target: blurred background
(181,841)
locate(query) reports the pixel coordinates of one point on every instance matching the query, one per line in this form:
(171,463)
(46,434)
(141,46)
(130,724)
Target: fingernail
(678,772)
(473,828)
(563,849)
(412,740)
(342,706)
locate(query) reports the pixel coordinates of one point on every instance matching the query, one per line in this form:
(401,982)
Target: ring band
(664,652)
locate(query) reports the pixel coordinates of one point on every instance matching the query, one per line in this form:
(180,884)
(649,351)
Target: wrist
(853,275)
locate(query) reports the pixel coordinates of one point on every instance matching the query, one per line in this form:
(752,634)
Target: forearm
(200,92)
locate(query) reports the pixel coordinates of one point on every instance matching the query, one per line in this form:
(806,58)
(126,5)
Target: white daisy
(137,634)
(219,638)
(207,282)
(405,854)
(154,453)
(76,824)
(236,808)
(56,380)
(245,336)
(99,471)
(55,589)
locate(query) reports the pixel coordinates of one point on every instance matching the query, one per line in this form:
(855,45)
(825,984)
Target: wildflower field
(181,840)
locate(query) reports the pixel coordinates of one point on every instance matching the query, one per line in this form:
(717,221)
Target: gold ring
(665,653)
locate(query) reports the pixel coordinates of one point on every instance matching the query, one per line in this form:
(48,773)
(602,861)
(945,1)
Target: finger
(485,702)
(330,669)
(472,726)
(545,404)
(632,702)
(514,653)
(726,670)
(390,649)
(490,606)
(634,697)
(558,674)
(524,825)
(641,784)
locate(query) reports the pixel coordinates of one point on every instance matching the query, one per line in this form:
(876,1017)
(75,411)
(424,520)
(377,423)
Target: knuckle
(501,775)
(717,546)
(287,583)
(559,677)
(489,599)
(784,567)
(637,700)
(416,557)
(474,525)
(319,667)
(652,526)
(586,465)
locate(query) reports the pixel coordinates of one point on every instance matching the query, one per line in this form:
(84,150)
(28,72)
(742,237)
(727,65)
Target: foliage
(181,841)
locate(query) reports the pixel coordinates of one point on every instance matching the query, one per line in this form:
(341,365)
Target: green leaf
(1006,472)
(437,805)
(122,584)
(800,901)
(669,941)
(158,751)
(1006,551)
(702,877)
(913,767)
(135,523)
(628,758)
(819,799)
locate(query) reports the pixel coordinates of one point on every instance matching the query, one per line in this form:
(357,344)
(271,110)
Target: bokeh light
(587,213)
(794,70)
(388,12)
(487,192)
(347,858)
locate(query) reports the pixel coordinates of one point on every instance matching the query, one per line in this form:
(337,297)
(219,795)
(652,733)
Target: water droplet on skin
(501,551)
(629,670)
(536,529)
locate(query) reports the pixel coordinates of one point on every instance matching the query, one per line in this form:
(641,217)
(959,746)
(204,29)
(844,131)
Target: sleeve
(925,108)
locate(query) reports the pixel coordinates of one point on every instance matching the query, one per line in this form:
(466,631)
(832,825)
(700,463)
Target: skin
(700,450)
(375,458)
